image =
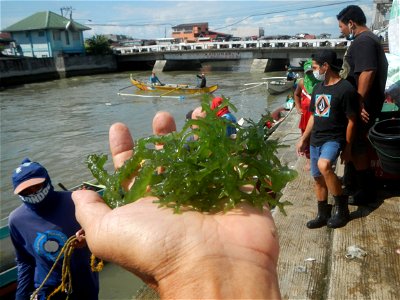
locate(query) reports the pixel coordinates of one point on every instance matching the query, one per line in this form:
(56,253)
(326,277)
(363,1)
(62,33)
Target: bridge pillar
(159,65)
(259,65)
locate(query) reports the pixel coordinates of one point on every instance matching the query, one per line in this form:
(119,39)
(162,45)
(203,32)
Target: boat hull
(277,87)
(173,88)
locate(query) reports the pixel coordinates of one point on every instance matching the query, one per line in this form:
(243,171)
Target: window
(57,35)
(41,33)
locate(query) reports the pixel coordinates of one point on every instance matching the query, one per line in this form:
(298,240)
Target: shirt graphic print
(322,105)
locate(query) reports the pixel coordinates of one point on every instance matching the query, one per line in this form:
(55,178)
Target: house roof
(43,20)
(190,25)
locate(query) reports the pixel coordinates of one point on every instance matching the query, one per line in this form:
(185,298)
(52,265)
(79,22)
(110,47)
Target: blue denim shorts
(329,151)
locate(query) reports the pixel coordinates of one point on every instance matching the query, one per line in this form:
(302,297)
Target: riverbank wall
(16,71)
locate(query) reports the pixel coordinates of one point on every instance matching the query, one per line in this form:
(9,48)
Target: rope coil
(66,276)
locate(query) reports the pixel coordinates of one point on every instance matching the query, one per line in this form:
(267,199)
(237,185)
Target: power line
(282,11)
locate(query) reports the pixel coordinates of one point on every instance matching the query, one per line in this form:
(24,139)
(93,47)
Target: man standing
(368,73)
(330,130)
(203,81)
(39,228)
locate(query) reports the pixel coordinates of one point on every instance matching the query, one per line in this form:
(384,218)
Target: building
(247,32)
(47,34)
(192,32)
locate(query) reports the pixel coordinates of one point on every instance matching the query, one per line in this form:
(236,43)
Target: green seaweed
(205,175)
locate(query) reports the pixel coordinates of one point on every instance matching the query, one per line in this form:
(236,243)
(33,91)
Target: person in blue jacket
(39,229)
(154,79)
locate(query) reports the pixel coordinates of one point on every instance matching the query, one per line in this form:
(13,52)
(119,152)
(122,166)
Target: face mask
(320,77)
(38,196)
(351,36)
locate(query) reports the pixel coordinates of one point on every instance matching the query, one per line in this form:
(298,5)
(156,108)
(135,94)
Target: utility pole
(381,8)
(67,9)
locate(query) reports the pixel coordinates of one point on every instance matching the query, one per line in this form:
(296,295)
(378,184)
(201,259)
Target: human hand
(364,115)
(80,241)
(300,147)
(188,255)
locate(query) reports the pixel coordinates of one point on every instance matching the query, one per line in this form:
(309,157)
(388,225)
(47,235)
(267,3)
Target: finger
(121,144)
(89,210)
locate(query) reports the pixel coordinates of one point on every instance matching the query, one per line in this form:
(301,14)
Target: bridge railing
(304,43)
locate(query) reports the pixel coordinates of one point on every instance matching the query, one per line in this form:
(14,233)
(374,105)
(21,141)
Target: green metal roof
(43,20)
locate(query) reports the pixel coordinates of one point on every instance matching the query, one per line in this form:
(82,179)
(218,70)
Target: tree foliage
(97,45)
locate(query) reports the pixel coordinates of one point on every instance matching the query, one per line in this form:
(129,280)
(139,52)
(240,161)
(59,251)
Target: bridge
(261,55)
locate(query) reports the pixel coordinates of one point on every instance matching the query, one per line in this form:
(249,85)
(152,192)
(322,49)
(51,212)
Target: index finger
(121,144)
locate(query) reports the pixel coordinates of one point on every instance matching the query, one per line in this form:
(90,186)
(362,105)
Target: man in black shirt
(203,81)
(368,73)
(330,130)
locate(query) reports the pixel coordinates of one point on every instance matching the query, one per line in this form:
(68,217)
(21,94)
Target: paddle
(170,91)
(274,78)
(150,96)
(251,83)
(252,87)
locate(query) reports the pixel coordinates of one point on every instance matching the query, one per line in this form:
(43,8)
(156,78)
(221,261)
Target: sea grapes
(207,174)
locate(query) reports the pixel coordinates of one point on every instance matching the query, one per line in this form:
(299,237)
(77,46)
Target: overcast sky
(154,19)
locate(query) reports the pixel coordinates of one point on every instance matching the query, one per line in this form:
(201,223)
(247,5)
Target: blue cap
(27,174)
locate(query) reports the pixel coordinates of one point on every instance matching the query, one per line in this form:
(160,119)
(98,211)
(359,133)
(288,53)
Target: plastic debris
(310,259)
(355,252)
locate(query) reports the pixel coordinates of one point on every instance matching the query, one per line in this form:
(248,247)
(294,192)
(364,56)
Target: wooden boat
(277,85)
(173,88)
(8,268)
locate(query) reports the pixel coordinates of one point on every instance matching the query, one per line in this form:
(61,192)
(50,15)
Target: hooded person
(223,112)
(39,228)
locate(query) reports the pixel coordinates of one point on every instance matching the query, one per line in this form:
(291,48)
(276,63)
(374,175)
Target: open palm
(187,255)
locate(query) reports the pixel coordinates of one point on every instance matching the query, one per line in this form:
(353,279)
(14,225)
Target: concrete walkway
(313,263)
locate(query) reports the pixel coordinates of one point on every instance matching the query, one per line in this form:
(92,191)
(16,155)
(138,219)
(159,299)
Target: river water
(58,123)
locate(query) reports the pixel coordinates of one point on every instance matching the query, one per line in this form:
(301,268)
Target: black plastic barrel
(385,137)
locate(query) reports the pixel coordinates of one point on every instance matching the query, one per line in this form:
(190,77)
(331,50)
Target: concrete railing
(309,43)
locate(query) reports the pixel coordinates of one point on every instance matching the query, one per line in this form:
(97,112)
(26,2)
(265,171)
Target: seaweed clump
(208,174)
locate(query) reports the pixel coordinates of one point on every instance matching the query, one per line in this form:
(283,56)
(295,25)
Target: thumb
(89,210)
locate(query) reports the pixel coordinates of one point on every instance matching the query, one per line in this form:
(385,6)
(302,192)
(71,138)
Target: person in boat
(168,251)
(223,112)
(203,80)
(290,75)
(329,132)
(302,98)
(39,228)
(368,73)
(154,79)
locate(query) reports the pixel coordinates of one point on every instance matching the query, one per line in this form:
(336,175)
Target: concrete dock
(315,264)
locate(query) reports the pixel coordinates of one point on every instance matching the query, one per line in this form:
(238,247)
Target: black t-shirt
(366,53)
(331,105)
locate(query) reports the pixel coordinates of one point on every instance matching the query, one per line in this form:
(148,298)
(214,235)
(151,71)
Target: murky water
(59,123)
